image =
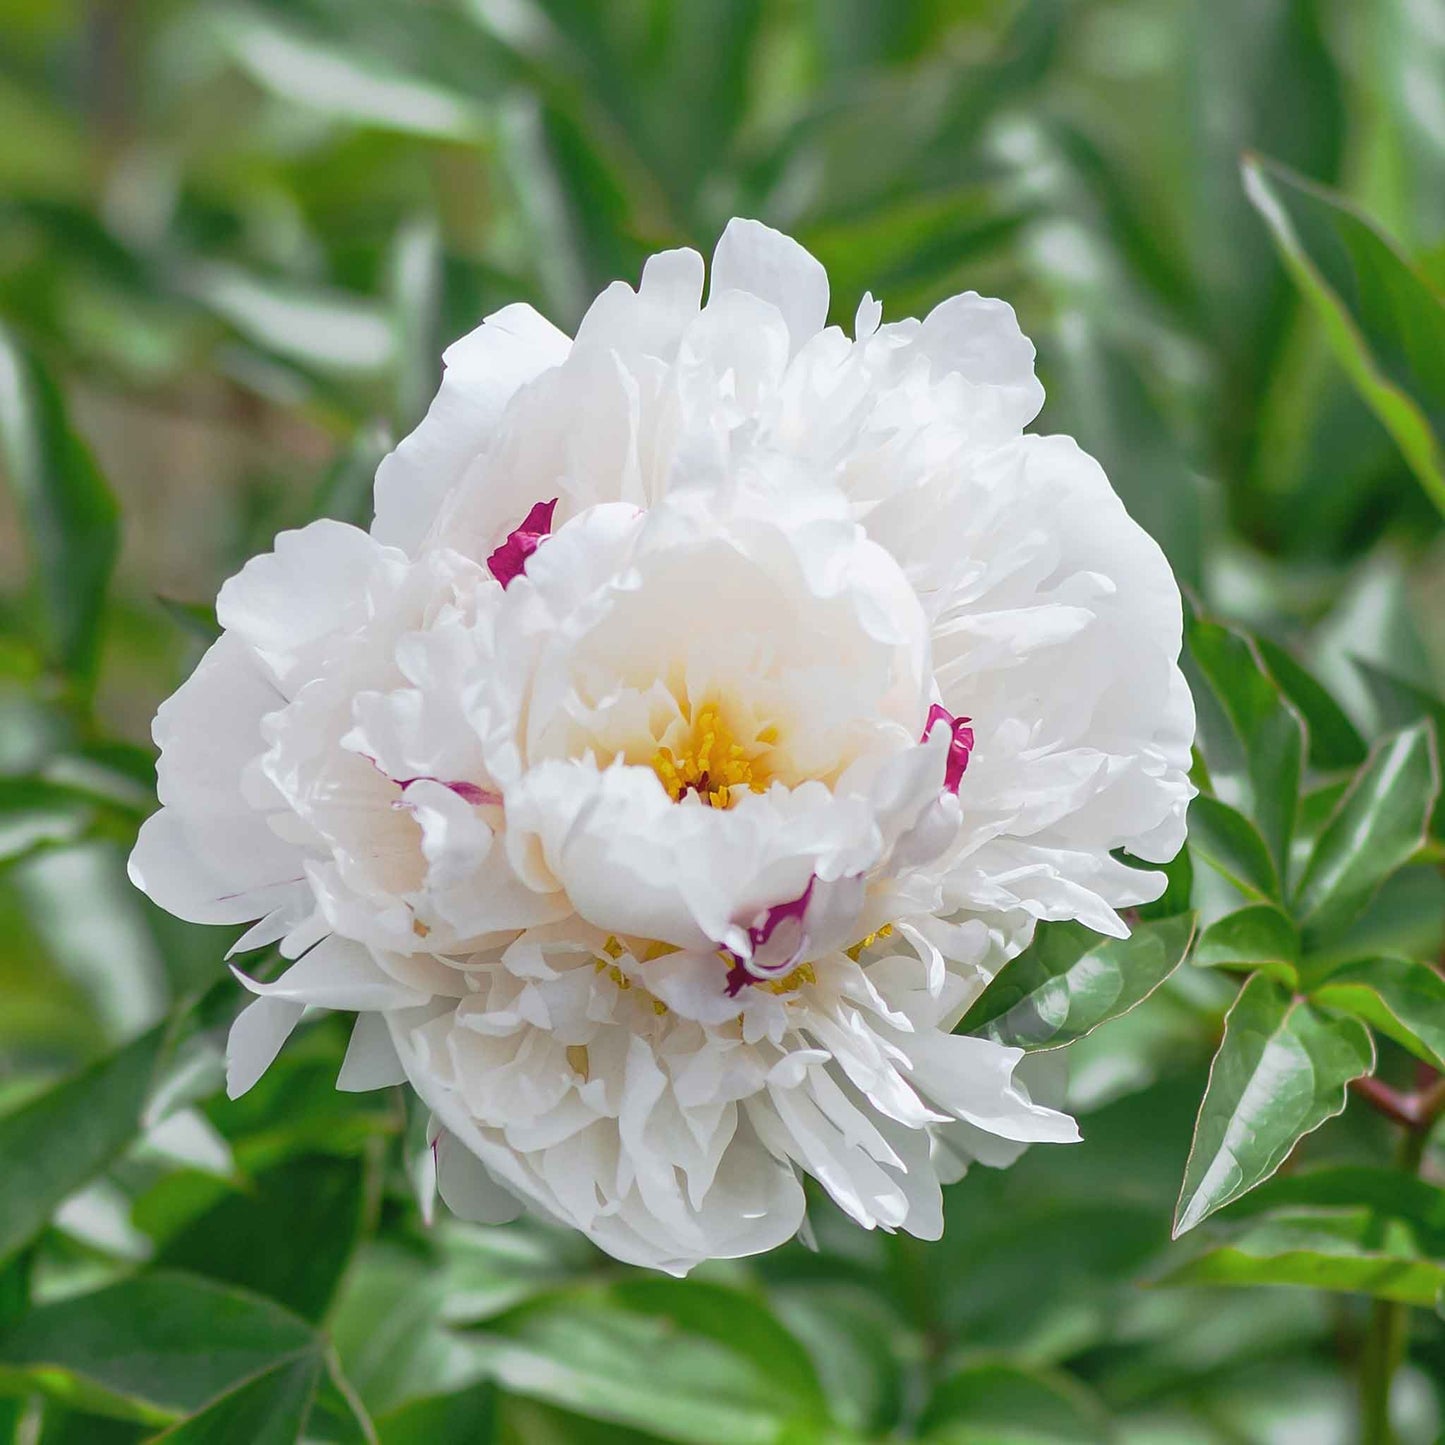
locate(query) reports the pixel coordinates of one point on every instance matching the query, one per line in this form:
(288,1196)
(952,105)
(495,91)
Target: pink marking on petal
(509,561)
(471,793)
(761,935)
(959,747)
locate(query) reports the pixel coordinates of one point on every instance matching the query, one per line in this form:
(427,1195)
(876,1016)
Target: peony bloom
(715,703)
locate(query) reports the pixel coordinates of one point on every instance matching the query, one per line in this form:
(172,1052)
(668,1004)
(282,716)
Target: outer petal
(755,258)
(484,370)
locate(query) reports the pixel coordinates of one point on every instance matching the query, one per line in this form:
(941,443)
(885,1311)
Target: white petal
(255,1040)
(484,370)
(755,258)
(371,1061)
(337,974)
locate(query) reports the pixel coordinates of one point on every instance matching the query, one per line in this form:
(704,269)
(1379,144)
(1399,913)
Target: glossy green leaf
(693,1363)
(1385,1192)
(1071,979)
(1402,998)
(1400,703)
(67,1135)
(71,525)
(289,1236)
(1267,731)
(1310,1254)
(1258,937)
(1334,741)
(1280,1072)
(1002,1403)
(1227,840)
(269,1409)
(151,1348)
(1384,320)
(1379,824)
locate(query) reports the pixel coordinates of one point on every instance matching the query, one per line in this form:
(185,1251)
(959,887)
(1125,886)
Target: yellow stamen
(791,982)
(713,763)
(856,952)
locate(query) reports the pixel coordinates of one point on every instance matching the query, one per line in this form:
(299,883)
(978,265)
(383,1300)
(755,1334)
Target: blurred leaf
(1227,839)
(322,71)
(196,618)
(70,517)
(691,1363)
(859,1348)
(1403,999)
(270,1409)
(1379,824)
(346,491)
(1383,318)
(1071,979)
(1006,1404)
(1267,731)
(289,1238)
(36,814)
(465,1418)
(150,1348)
(69,1134)
(1280,1072)
(1259,937)
(1334,741)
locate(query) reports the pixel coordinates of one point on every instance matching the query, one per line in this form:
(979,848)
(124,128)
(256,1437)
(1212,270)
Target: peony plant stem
(1389,1327)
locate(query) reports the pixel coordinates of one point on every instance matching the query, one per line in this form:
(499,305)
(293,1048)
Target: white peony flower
(715,703)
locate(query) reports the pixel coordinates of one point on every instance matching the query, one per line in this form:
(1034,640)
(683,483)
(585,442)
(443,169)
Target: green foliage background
(234,238)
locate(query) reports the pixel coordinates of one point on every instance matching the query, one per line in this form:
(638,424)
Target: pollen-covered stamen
(509,561)
(959,747)
(713,764)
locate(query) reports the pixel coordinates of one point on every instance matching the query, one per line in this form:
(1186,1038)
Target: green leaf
(1384,320)
(288,1238)
(1000,1403)
(1268,736)
(1403,999)
(1310,1253)
(1386,1193)
(1281,1071)
(70,517)
(1379,824)
(1071,979)
(694,1362)
(1334,741)
(1258,937)
(69,1134)
(149,1349)
(270,1409)
(1400,703)
(1227,840)
(35,814)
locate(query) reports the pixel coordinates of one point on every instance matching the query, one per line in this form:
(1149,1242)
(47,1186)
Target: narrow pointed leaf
(70,519)
(1256,938)
(1229,842)
(1369,1272)
(67,1135)
(1402,998)
(1280,1072)
(1070,980)
(1268,735)
(269,1409)
(1379,824)
(1334,741)
(1384,320)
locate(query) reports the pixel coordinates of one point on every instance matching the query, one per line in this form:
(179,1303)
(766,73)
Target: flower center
(712,763)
